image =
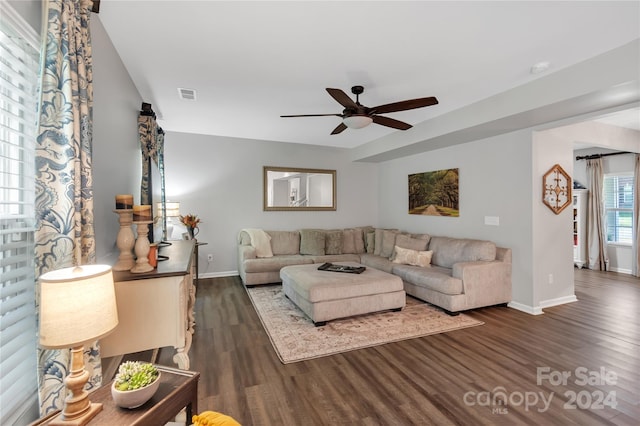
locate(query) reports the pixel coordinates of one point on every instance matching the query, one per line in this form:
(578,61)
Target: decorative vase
(134,398)
(192,232)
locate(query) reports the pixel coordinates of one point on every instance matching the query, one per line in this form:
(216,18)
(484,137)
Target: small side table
(178,389)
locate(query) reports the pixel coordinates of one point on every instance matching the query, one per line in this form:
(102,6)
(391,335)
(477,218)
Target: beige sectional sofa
(453,273)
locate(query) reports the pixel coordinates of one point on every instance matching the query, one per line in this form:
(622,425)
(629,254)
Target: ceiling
(250,62)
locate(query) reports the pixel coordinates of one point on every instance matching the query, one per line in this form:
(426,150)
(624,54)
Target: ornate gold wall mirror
(556,184)
(295,189)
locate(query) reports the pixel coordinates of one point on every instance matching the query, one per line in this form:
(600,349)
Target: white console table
(155,309)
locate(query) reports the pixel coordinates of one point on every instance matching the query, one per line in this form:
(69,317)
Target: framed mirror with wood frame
(298,189)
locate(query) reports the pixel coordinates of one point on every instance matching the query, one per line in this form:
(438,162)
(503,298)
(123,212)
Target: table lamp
(172,209)
(77,306)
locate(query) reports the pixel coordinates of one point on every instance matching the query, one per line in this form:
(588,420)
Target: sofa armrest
(246,252)
(485,276)
(503,254)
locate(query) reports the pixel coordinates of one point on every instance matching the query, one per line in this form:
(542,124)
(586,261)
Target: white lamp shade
(357,121)
(173,209)
(77,306)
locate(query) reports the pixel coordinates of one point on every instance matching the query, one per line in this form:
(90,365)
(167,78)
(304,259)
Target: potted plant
(135,383)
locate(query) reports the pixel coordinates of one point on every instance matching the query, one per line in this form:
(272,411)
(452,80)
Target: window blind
(19,63)
(618,203)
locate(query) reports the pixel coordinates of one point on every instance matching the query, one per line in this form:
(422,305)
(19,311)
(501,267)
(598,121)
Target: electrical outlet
(209,258)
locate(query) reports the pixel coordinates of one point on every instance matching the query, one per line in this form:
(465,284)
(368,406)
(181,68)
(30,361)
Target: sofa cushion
(385,240)
(331,258)
(352,240)
(377,262)
(274,264)
(312,241)
(361,238)
(333,242)
(412,257)
(285,242)
(370,242)
(348,241)
(437,279)
(447,251)
(408,242)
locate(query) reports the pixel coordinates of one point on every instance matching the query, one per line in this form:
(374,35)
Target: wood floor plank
(439,379)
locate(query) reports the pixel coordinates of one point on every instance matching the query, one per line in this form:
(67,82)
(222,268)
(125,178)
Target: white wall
(220,180)
(495,180)
(552,238)
(116,151)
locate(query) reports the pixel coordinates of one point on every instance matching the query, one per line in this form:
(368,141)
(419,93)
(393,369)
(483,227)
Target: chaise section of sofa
(465,274)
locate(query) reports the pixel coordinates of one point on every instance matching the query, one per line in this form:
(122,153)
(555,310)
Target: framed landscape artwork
(434,193)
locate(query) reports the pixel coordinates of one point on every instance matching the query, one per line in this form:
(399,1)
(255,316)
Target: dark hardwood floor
(453,378)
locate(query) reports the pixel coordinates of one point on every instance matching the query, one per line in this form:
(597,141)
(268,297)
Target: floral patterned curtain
(64,189)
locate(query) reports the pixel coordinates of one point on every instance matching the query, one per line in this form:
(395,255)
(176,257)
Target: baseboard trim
(531,310)
(621,271)
(558,301)
(218,274)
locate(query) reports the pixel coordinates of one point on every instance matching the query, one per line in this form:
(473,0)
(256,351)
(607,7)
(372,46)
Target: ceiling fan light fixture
(357,121)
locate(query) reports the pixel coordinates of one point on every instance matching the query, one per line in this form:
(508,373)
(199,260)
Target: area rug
(295,338)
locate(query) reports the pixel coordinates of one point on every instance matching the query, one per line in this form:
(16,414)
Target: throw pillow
(377,246)
(360,242)
(349,241)
(285,242)
(312,242)
(405,241)
(412,257)
(333,242)
(370,242)
(388,242)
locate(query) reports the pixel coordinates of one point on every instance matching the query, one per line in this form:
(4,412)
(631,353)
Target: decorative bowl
(134,398)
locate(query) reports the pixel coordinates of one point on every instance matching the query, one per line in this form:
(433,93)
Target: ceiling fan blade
(342,98)
(341,127)
(405,105)
(390,122)
(311,115)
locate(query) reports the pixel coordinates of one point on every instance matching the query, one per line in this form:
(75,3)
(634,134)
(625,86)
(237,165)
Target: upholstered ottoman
(325,295)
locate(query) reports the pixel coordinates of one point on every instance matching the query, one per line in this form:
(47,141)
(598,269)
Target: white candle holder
(125,240)
(142,248)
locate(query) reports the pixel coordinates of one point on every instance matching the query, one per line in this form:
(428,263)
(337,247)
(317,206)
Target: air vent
(187,94)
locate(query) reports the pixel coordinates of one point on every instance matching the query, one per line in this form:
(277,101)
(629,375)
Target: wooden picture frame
(556,189)
(297,189)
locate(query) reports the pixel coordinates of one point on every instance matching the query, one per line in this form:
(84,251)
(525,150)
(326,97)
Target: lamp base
(81,420)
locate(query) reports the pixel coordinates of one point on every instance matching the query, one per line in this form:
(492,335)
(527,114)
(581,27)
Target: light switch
(492,220)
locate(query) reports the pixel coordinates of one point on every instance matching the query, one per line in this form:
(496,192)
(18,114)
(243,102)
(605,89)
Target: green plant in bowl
(134,375)
(135,383)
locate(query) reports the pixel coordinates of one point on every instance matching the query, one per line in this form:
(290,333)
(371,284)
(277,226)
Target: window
(18,82)
(618,204)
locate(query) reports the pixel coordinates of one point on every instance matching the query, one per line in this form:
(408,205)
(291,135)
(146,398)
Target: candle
(142,213)
(124,201)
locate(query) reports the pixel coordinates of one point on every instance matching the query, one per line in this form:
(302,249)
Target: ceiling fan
(356,116)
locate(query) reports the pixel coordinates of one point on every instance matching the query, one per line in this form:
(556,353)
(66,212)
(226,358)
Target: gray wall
(116,152)
(220,180)
(495,180)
